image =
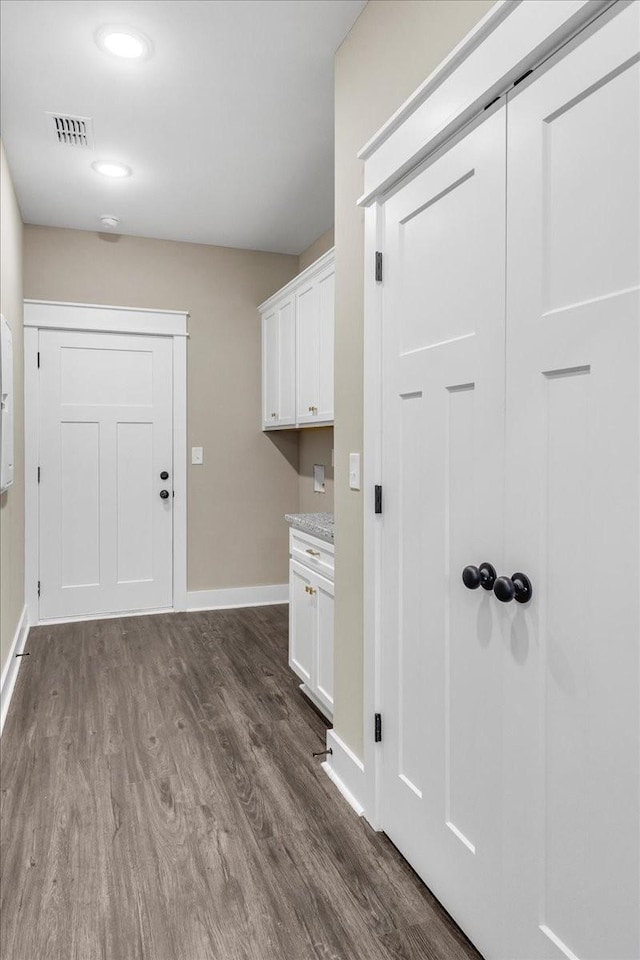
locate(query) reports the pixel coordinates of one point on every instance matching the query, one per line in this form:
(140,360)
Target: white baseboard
(237,597)
(346,771)
(11,667)
(87,618)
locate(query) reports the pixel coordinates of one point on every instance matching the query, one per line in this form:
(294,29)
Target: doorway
(106,465)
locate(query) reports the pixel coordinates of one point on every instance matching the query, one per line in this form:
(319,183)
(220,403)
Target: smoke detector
(109,222)
(71,131)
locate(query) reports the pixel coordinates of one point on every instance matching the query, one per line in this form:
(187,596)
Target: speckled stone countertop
(318,524)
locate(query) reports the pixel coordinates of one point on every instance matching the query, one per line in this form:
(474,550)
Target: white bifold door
(511,412)
(106,487)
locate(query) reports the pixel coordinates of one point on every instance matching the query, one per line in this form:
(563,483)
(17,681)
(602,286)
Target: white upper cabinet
(297,349)
(278,365)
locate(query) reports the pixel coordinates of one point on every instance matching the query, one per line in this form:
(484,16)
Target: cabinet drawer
(314,553)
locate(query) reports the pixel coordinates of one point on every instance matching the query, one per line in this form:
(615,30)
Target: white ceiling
(228,127)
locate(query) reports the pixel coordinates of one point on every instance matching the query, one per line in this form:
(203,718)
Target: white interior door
(572,825)
(442,469)
(105,437)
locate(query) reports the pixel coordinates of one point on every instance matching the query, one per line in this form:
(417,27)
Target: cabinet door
(326,322)
(286,384)
(308,337)
(270,370)
(302,611)
(323,597)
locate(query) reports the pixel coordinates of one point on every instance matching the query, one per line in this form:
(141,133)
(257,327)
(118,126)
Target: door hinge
(378,266)
(523,77)
(377,498)
(377,727)
(38,474)
(38,359)
(38,588)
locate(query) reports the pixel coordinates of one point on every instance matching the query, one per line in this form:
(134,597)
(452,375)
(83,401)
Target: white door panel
(286,383)
(270,369)
(308,331)
(572,829)
(324,633)
(443,302)
(301,622)
(326,309)
(105,437)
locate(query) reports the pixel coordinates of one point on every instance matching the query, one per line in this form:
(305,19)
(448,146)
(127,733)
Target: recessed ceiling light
(109,168)
(123,42)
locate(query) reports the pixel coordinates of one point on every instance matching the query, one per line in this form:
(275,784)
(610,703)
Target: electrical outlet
(197,455)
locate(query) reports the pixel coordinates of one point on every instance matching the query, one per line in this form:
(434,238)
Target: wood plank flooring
(160,802)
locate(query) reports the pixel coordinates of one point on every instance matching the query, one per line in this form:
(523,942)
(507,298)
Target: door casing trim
(94,318)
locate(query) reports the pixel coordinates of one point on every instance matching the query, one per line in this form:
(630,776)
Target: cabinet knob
(273,416)
(308,589)
(314,553)
(313,410)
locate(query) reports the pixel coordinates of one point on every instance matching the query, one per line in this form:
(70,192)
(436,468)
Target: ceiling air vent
(71,131)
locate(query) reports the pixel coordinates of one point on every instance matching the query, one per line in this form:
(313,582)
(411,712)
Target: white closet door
(573,399)
(443,414)
(105,437)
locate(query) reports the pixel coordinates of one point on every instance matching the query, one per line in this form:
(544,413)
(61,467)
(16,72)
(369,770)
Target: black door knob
(164,494)
(164,475)
(517,587)
(482,576)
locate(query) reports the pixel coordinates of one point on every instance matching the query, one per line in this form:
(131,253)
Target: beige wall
(237,498)
(391,49)
(12,501)
(317,248)
(315,446)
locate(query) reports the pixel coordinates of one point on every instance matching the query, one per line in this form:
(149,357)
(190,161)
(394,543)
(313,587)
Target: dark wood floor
(160,801)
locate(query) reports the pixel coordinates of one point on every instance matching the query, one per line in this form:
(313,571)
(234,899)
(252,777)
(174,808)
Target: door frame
(511,40)
(93,318)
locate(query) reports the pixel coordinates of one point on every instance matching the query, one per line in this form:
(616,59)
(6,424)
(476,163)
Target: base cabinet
(311,632)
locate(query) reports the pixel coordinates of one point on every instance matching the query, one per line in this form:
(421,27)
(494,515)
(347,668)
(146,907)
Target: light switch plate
(354,471)
(197,454)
